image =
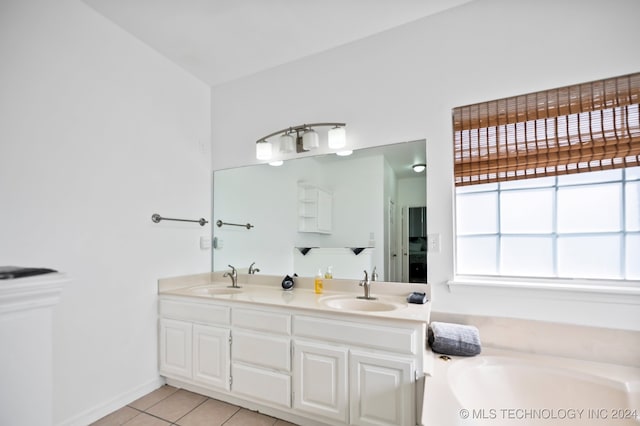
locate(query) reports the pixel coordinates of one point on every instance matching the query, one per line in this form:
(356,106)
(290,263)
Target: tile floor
(171,406)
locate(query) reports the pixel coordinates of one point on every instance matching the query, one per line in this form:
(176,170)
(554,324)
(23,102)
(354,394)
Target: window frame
(555,234)
(620,289)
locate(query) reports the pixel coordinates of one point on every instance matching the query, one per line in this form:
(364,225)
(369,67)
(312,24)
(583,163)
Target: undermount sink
(212,291)
(351,303)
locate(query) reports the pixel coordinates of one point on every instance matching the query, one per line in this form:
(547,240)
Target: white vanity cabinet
(353,386)
(195,342)
(383,387)
(211,356)
(312,367)
(321,382)
(176,348)
(355,372)
(261,356)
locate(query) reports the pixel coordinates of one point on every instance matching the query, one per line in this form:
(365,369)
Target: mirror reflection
(334,214)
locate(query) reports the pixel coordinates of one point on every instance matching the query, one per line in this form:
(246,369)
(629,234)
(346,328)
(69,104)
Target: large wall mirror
(343,213)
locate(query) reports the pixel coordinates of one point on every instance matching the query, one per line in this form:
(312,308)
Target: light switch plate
(433,243)
(205,242)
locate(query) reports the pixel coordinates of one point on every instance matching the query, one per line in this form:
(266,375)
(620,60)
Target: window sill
(600,291)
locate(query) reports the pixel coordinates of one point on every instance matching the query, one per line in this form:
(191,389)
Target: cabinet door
(175,348)
(211,356)
(382,390)
(320,380)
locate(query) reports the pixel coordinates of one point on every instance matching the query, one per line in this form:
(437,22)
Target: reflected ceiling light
(305,139)
(337,138)
(344,153)
(419,168)
(276,163)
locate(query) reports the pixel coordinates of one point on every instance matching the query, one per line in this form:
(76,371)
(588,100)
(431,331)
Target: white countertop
(266,291)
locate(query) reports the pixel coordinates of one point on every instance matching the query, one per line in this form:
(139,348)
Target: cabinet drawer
(261,321)
(264,385)
(373,336)
(196,312)
(262,350)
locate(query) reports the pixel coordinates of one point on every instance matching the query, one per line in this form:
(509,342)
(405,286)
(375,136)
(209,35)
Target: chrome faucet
(374,275)
(253,270)
(367,288)
(234,277)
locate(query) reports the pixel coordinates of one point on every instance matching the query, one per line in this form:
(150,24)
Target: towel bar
(220,223)
(157,218)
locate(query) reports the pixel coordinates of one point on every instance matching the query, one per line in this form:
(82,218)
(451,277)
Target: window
(548,184)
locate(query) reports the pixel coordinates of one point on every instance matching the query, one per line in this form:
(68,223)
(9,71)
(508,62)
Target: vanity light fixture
(277,163)
(337,137)
(263,150)
(419,168)
(287,143)
(344,153)
(310,140)
(301,138)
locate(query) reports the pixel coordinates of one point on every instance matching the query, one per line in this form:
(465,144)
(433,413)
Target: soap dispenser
(318,282)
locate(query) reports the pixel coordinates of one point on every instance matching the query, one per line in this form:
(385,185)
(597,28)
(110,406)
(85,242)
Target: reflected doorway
(414,244)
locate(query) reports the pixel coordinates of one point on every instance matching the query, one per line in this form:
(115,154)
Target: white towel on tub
(454,339)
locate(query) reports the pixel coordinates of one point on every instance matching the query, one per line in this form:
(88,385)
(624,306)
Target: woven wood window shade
(581,128)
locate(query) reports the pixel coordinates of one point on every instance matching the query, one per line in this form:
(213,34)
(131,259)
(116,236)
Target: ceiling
(399,156)
(222,40)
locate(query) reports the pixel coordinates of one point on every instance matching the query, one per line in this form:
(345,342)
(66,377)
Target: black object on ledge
(11,272)
(288,282)
(305,250)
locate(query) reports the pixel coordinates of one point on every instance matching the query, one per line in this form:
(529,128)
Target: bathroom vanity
(328,359)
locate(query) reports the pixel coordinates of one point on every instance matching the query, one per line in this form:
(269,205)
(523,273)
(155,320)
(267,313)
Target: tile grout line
(275,420)
(175,423)
(148,414)
(187,413)
(230,417)
(156,403)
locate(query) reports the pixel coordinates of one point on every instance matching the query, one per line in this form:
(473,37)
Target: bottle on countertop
(318,283)
(329,274)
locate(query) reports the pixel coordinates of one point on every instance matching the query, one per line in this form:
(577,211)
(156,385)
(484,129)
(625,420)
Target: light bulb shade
(337,137)
(287,143)
(310,140)
(263,150)
(419,168)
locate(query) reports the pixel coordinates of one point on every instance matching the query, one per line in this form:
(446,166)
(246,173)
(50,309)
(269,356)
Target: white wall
(266,197)
(97,133)
(412,192)
(402,84)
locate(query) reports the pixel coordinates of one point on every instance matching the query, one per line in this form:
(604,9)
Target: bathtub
(502,387)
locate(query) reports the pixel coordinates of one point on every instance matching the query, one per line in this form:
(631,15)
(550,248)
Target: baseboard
(97,412)
(273,411)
